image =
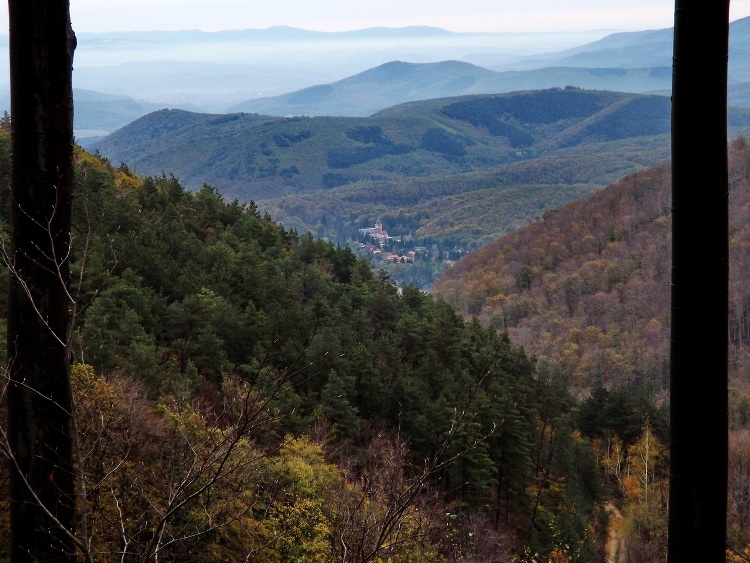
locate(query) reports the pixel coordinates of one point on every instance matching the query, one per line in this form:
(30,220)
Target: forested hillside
(244,392)
(586,287)
(446,175)
(247,393)
(457,172)
(256,157)
(586,290)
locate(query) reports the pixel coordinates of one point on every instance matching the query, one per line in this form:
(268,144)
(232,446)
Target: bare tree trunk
(698,387)
(39,399)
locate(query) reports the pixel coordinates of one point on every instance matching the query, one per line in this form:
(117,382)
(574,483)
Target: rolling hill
(586,288)
(416,164)
(251,156)
(398,82)
(453,172)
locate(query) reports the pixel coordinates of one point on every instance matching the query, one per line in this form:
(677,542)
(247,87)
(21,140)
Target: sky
(342,15)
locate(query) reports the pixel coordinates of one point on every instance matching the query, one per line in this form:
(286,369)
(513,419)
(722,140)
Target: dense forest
(585,290)
(586,287)
(246,392)
(456,171)
(453,172)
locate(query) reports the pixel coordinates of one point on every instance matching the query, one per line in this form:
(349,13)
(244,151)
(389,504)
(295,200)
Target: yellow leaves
(632,488)
(299,520)
(493,304)
(226,498)
(574,335)
(652,329)
(300,532)
(734,556)
(645,458)
(86,159)
(303,462)
(590,243)
(571,355)
(592,335)
(558,555)
(126,182)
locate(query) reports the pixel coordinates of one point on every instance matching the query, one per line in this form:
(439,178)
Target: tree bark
(698,386)
(39,398)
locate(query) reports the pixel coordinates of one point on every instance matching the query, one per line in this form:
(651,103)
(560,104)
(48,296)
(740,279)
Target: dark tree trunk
(698,386)
(39,398)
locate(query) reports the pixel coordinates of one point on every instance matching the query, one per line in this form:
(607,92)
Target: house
(376,233)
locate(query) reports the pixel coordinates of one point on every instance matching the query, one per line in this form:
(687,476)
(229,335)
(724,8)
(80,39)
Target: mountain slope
(399,82)
(626,62)
(634,49)
(258,157)
(586,288)
(411,163)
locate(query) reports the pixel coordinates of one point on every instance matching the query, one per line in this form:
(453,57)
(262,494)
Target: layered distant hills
(286,71)
(397,82)
(97,114)
(460,169)
(624,62)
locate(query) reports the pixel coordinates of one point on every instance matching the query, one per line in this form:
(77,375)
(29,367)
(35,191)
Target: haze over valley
(391,294)
(397,129)
(288,71)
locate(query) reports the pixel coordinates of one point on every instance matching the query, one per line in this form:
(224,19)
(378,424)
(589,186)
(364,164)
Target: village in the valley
(379,246)
(404,261)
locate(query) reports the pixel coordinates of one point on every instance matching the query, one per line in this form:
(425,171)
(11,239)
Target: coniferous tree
(39,397)
(698,392)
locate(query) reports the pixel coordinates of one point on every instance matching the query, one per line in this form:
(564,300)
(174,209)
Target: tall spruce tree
(39,399)
(698,392)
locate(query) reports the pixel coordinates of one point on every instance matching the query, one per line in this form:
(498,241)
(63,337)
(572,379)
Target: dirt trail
(614,549)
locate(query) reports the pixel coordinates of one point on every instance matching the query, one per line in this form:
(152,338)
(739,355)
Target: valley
(387,311)
(420,144)
(450,172)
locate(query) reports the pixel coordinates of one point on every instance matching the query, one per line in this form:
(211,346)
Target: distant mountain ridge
(289,71)
(637,62)
(398,82)
(253,156)
(462,169)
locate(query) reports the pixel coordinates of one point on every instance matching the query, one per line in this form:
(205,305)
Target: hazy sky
(338,15)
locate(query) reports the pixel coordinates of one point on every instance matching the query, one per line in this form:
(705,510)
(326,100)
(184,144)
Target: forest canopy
(246,391)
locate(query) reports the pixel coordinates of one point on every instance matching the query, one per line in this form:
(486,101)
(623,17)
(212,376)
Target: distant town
(406,262)
(374,242)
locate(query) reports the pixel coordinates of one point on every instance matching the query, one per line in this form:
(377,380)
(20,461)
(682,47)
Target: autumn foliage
(586,288)
(243,392)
